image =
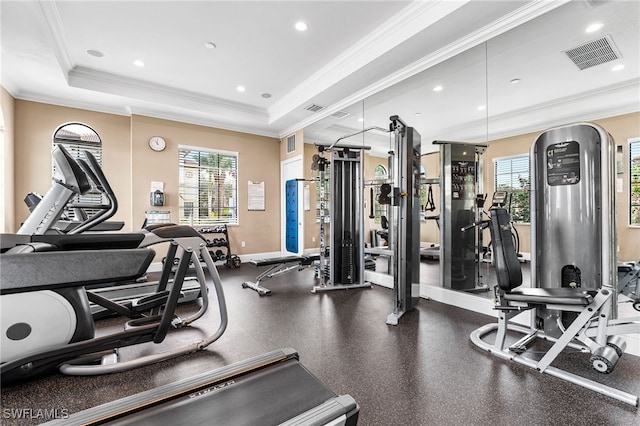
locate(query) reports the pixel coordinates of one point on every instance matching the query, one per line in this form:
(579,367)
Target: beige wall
(623,128)
(35,124)
(7,110)
(258,159)
(131,166)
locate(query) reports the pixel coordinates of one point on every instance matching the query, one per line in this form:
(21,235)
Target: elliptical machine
(46,315)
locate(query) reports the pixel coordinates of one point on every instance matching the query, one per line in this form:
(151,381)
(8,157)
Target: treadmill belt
(265,397)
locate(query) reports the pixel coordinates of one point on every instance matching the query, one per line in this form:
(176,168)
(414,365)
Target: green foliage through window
(512,175)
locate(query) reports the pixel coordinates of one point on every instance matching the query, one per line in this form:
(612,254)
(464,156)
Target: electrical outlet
(313,239)
(242,244)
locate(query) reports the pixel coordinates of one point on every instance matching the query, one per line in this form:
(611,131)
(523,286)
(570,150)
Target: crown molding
(202,121)
(414,18)
(87,78)
(54,22)
(518,17)
(564,113)
(128,111)
(67,103)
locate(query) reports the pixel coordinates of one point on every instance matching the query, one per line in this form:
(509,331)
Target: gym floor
(424,371)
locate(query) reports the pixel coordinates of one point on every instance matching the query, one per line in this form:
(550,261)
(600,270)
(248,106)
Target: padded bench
(279,266)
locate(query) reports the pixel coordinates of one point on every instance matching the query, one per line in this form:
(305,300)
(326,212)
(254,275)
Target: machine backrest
(506,263)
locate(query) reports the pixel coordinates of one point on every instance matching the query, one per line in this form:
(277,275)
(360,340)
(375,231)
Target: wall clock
(157,143)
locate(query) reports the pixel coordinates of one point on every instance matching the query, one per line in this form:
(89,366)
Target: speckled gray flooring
(424,371)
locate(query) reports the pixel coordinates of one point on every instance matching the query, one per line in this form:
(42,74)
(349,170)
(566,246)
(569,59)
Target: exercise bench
(279,266)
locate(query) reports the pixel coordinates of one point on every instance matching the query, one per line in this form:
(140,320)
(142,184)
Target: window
(208,186)
(379,174)
(512,175)
(634,182)
(76,138)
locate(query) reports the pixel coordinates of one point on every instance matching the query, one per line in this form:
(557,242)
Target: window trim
(236,154)
(510,158)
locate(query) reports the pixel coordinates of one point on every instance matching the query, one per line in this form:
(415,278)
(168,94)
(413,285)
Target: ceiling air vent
(594,53)
(314,108)
(339,114)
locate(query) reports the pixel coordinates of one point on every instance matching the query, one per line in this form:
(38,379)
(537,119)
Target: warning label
(563,163)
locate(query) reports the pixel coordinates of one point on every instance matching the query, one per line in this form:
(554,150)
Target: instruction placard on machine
(563,163)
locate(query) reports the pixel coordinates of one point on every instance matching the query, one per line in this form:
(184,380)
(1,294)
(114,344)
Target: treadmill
(270,389)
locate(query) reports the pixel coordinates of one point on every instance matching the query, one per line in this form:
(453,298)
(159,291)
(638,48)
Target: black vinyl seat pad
(303,260)
(551,296)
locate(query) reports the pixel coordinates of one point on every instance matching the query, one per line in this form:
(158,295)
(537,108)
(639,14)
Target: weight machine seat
(509,272)
(155,226)
(550,296)
(176,231)
(276,260)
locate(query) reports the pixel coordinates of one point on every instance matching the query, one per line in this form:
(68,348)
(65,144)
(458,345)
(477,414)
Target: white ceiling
(386,55)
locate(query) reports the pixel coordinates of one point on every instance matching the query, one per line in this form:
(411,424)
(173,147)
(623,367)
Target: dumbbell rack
(215,246)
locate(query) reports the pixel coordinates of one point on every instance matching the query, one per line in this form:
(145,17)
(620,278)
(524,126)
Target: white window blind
(208,186)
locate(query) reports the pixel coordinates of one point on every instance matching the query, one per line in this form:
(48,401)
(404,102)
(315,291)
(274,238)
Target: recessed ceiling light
(418,114)
(482,107)
(360,119)
(594,27)
(240,88)
(266,95)
(515,81)
(138,63)
(618,67)
(301,26)
(96,53)
(438,89)
(210,45)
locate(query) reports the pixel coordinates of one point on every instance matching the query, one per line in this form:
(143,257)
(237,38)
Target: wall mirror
(524,80)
